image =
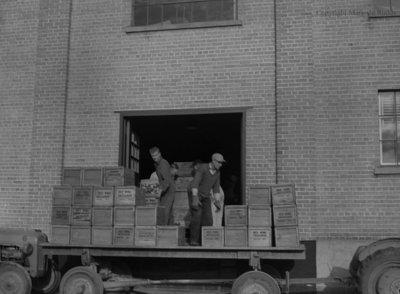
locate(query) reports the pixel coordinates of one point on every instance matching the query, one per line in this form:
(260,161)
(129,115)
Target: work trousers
(202,216)
(167,201)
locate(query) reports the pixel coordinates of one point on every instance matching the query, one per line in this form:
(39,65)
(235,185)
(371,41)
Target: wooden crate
(182,215)
(124,236)
(102,216)
(150,188)
(151,201)
(235,236)
(80,235)
(235,215)
(182,183)
(260,237)
(118,176)
(81,216)
(72,176)
(131,195)
(124,216)
(259,195)
(283,194)
(61,215)
(60,234)
(185,168)
(82,196)
(212,237)
(170,236)
(92,176)
(102,236)
(287,237)
(103,196)
(181,199)
(62,195)
(285,215)
(150,216)
(145,236)
(259,216)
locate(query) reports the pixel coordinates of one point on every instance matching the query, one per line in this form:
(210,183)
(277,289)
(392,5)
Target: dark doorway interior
(187,137)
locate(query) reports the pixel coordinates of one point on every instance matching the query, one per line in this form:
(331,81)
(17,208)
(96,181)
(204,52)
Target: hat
(218,157)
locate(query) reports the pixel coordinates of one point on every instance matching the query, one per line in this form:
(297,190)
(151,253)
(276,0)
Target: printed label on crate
(125,196)
(124,236)
(103,196)
(145,236)
(92,176)
(62,195)
(283,194)
(150,187)
(236,236)
(285,215)
(61,215)
(259,195)
(82,196)
(235,215)
(259,216)
(81,216)
(102,216)
(259,237)
(212,237)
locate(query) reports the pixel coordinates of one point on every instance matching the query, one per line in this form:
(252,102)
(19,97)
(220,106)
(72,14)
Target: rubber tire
(14,279)
(47,284)
(355,262)
(374,267)
(81,276)
(255,282)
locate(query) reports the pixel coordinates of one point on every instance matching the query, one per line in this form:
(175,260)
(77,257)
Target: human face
(217,164)
(156,156)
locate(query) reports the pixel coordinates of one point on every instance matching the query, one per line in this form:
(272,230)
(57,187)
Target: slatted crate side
(92,176)
(170,236)
(80,235)
(72,176)
(102,216)
(185,168)
(102,235)
(82,196)
(182,183)
(285,215)
(287,236)
(145,236)
(235,236)
(212,237)
(128,195)
(181,199)
(103,196)
(124,236)
(235,215)
(60,234)
(118,176)
(62,195)
(182,215)
(61,215)
(259,216)
(150,216)
(259,195)
(124,216)
(81,216)
(283,194)
(259,237)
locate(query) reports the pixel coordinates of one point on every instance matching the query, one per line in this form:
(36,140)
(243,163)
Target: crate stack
(181,208)
(285,220)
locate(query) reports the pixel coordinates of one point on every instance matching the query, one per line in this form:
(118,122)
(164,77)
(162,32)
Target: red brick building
(289,91)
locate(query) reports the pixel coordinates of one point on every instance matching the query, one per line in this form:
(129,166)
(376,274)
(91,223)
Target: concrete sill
(181,26)
(387,170)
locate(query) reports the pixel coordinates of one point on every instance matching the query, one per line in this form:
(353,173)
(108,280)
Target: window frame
(383,12)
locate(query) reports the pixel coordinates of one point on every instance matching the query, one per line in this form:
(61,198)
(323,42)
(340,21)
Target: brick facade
(68,67)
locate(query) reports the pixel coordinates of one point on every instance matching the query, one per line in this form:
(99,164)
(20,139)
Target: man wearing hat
(206,181)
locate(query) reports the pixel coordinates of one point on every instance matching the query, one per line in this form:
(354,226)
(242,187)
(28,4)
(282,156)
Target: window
(386,8)
(389,122)
(170,12)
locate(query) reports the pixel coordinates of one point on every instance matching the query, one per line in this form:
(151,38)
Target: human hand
(195,202)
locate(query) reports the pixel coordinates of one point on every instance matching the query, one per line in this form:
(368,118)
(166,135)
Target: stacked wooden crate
(285,218)
(181,209)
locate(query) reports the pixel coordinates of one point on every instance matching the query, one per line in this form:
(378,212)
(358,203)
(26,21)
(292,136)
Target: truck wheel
(81,280)
(355,262)
(255,282)
(14,279)
(47,284)
(380,273)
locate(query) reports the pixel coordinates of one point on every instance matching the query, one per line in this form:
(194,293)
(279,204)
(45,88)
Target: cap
(218,157)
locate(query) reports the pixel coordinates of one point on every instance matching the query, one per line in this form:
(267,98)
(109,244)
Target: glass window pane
(169,14)
(199,12)
(388,129)
(388,153)
(227,10)
(396,5)
(184,13)
(155,14)
(140,16)
(214,10)
(386,103)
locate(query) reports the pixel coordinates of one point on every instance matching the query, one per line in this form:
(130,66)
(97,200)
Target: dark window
(389,122)
(151,12)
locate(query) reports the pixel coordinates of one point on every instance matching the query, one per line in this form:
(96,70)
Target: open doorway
(185,137)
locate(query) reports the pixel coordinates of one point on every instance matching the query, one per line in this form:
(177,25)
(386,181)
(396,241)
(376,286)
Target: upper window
(389,121)
(170,12)
(386,8)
